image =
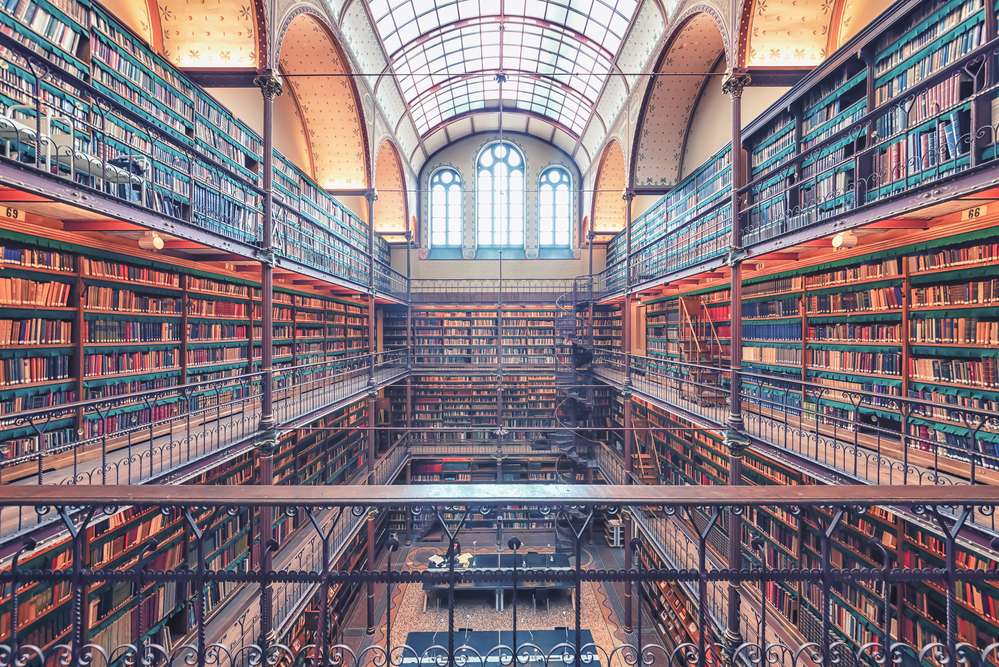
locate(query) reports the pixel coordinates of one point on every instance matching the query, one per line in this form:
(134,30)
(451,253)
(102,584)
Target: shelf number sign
(975,213)
(12,213)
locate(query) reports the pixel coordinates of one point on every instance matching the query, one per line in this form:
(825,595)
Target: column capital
(371,195)
(590,235)
(734,81)
(270,84)
(736,441)
(628,195)
(409,238)
(736,256)
(267,443)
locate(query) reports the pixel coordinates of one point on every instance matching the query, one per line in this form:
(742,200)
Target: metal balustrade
(301,573)
(205,419)
(861,436)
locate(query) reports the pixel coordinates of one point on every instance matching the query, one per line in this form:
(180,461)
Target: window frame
(459,216)
(567,175)
(522,169)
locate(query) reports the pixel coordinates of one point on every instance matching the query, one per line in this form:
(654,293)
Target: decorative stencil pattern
(642,40)
(390,207)
(332,120)
(209,33)
(789,32)
(609,208)
(363,42)
(695,49)
(391,102)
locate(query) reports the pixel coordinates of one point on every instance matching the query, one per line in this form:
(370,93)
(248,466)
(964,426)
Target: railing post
(266,448)
(370,547)
(628,532)
(735,437)
(270,87)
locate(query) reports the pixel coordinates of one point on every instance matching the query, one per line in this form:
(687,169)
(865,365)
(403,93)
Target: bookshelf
(607,327)
(79,323)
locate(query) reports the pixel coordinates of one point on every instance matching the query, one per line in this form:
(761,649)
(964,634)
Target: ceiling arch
(390,213)
(217,34)
(800,33)
(315,71)
(609,207)
(555,54)
(695,48)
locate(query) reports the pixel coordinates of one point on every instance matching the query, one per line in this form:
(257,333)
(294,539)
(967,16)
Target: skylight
(555,54)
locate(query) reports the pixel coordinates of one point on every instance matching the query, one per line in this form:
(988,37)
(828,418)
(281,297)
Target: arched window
(500,176)
(555,208)
(445,209)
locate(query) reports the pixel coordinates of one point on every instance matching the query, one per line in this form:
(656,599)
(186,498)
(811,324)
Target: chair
(541,595)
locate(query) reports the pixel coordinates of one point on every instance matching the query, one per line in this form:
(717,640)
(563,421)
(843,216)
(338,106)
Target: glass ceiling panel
(447,52)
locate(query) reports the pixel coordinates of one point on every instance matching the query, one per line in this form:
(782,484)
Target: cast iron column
(735,436)
(270,86)
(628,196)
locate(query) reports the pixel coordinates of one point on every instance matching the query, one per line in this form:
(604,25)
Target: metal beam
(497,494)
(215,78)
(100,226)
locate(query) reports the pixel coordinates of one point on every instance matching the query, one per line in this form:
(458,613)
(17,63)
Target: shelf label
(977,212)
(12,213)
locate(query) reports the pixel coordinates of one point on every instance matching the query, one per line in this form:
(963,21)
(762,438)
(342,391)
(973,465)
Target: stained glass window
(555,208)
(500,193)
(445,209)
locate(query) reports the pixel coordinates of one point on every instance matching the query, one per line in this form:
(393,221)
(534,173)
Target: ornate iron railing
(304,575)
(867,437)
(143,437)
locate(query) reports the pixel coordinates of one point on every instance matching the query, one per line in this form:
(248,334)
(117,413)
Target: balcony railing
(142,437)
(143,163)
(302,576)
(870,437)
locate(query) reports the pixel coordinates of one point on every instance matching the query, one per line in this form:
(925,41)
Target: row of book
(888,268)
(975,292)
(36,331)
(970,330)
(46,400)
(879,298)
(219,332)
(28,370)
(928,104)
(26,292)
(852,333)
(770,355)
(213,308)
(776,332)
(127,301)
(120,331)
(959,46)
(884,363)
(765,287)
(112,363)
(134,274)
(948,257)
(973,372)
(216,355)
(36,258)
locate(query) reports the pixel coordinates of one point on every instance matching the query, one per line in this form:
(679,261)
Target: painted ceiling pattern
(789,32)
(332,125)
(390,207)
(695,50)
(609,207)
(209,33)
(556,55)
